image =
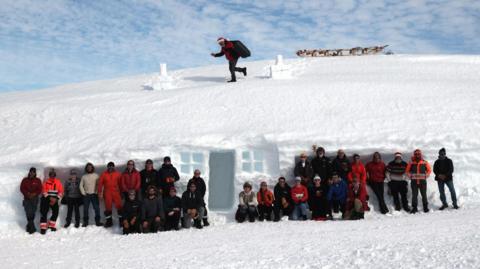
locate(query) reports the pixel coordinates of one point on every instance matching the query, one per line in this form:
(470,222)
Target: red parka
(130,181)
(376,171)
(358,170)
(360,194)
(265,197)
(53,187)
(31,187)
(109,183)
(299,194)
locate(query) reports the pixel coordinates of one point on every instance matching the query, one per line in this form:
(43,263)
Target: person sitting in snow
(167,175)
(418,170)
(201,190)
(193,207)
(283,199)
(74,198)
(132,210)
(299,195)
(397,182)
(443,170)
(356,201)
(232,57)
(337,194)
(152,211)
(31,188)
(265,202)
(317,199)
(303,169)
(172,205)
(247,206)
(52,192)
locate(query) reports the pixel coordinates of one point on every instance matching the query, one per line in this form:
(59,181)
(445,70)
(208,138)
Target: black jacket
(191,200)
(322,167)
(280,193)
(342,167)
(169,203)
(303,171)
(317,202)
(201,186)
(443,167)
(148,178)
(152,208)
(167,171)
(132,209)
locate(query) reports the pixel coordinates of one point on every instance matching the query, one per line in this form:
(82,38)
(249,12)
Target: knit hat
(298,179)
(398,154)
(149,161)
(442,151)
(110,164)
(167,159)
(247,184)
(356,155)
(221,39)
(32,169)
(317,177)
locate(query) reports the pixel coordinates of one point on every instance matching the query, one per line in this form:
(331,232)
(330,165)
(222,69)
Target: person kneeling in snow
(299,197)
(356,201)
(337,194)
(172,204)
(232,57)
(247,204)
(193,207)
(265,201)
(318,199)
(283,199)
(152,211)
(132,210)
(52,192)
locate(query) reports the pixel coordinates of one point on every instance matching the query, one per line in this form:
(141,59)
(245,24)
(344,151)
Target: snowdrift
(360,104)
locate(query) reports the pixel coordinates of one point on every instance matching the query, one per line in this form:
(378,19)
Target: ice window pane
(185,157)
(258,155)
(197,157)
(185,169)
(258,166)
(246,156)
(247,167)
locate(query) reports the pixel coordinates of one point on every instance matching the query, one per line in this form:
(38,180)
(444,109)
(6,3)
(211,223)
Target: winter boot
(31,227)
(198,223)
(77,224)
(443,207)
(98,223)
(456,206)
(67,224)
(244,71)
(108,222)
(232,80)
(205,222)
(426,210)
(52,226)
(414,210)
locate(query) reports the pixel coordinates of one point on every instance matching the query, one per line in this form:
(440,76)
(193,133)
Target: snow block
(160,82)
(280,70)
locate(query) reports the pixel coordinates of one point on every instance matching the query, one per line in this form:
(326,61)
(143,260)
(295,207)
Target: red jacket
(228,51)
(358,170)
(299,194)
(376,171)
(361,194)
(53,187)
(130,181)
(109,182)
(31,187)
(265,197)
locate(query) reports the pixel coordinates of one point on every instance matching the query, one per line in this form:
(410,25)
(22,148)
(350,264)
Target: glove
(213,54)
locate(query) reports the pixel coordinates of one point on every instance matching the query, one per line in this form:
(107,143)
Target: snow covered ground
(361,104)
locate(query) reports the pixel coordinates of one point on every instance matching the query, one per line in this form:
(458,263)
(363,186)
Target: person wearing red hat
(418,170)
(232,57)
(397,182)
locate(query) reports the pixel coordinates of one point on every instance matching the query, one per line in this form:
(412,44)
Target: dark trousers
(264,212)
(319,208)
(336,205)
(399,191)
(73,204)
(87,200)
(451,188)
(232,66)
(378,188)
(246,211)
(135,228)
(45,206)
(278,208)
(171,222)
(30,206)
(422,186)
(152,225)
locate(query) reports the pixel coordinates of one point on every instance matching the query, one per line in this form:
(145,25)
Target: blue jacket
(338,191)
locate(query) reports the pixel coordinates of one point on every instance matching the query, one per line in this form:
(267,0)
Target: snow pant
(356,212)
(112,198)
(45,206)
(149,225)
(378,189)
(232,66)
(129,228)
(87,200)
(451,188)
(399,188)
(73,204)
(336,205)
(30,206)
(422,186)
(246,211)
(171,222)
(278,208)
(299,212)
(319,209)
(187,218)
(264,212)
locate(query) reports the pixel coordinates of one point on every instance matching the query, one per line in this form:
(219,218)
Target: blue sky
(53,42)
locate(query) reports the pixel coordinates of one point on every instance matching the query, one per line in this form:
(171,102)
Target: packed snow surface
(361,104)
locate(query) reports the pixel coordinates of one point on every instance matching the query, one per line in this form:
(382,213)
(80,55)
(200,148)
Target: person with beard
(152,211)
(167,175)
(132,210)
(283,199)
(341,165)
(418,170)
(321,164)
(148,177)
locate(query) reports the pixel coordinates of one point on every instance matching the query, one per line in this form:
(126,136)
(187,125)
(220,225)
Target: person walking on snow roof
(232,57)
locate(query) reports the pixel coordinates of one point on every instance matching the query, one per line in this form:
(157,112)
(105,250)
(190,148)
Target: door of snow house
(220,183)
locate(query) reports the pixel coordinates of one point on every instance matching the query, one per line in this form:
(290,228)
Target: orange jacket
(110,182)
(418,170)
(358,170)
(265,197)
(52,187)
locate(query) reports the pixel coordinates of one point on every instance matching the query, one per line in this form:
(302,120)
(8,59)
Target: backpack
(240,49)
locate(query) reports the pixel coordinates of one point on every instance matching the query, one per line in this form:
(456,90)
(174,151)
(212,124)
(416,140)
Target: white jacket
(89,184)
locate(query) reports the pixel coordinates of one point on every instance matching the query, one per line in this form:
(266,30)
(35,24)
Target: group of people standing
(145,201)
(324,186)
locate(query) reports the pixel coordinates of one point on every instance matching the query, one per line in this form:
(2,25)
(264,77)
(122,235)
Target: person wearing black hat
(73,198)
(167,175)
(443,170)
(148,177)
(31,188)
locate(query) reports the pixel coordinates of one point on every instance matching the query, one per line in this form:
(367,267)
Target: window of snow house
(252,161)
(191,161)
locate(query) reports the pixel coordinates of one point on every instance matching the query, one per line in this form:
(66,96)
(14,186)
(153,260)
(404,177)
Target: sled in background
(357,51)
